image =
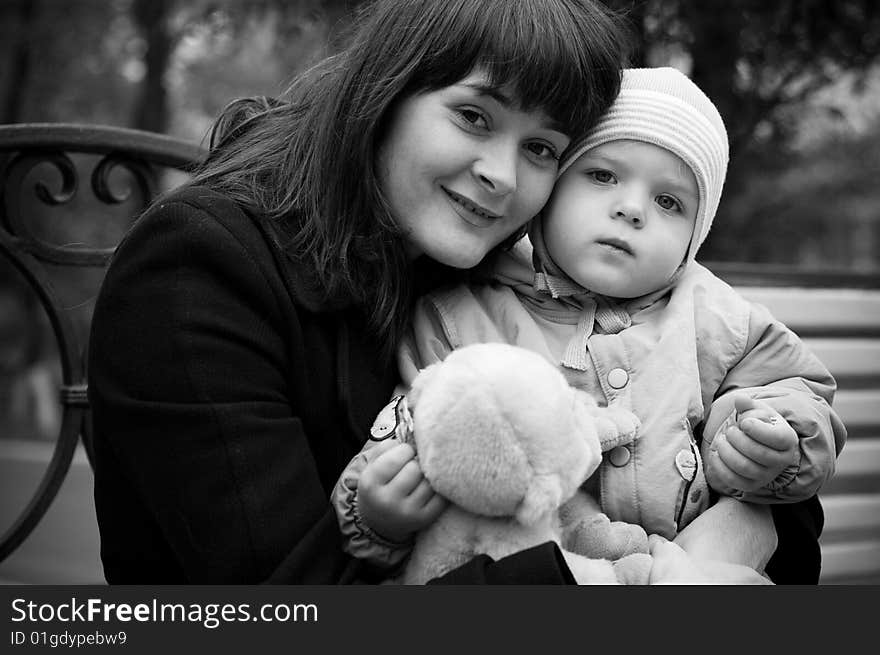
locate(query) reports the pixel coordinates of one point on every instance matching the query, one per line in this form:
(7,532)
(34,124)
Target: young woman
(241,344)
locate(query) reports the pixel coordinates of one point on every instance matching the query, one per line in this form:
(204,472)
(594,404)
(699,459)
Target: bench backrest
(842,326)
(52,176)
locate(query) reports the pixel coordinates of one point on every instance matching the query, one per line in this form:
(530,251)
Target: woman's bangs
(556,57)
(559,91)
(548,67)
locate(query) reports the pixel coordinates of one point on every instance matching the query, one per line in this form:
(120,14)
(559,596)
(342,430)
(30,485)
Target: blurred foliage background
(797,82)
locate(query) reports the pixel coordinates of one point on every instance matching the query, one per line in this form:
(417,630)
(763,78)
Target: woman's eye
(542,150)
(473,117)
(669,203)
(603,177)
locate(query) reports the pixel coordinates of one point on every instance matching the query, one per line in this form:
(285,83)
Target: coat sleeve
(778,369)
(191,405)
(358,539)
(541,565)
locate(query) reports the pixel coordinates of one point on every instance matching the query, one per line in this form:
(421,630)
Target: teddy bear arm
(614,425)
(587,531)
(446,544)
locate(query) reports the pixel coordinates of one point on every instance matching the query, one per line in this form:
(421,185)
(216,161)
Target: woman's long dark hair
(309,162)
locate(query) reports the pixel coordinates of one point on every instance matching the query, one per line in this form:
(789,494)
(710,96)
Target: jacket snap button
(618,378)
(686,464)
(619,456)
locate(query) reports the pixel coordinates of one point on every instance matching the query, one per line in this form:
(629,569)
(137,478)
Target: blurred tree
(66,61)
(757,60)
(151,109)
(16,18)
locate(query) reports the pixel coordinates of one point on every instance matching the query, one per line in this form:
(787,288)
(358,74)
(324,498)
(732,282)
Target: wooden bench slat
(850,512)
(820,309)
(850,561)
(845,358)
(858,408)
(859,457)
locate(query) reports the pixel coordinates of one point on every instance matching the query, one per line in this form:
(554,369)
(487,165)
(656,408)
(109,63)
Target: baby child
(610,291)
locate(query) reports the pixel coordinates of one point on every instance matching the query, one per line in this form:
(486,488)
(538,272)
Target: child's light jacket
(676,367)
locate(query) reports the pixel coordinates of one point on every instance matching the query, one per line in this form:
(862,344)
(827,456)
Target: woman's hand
(751,453)
(394,497)
(671,564)
(731,531)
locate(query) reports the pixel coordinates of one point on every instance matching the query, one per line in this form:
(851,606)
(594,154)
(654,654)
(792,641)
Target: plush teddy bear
(502,435)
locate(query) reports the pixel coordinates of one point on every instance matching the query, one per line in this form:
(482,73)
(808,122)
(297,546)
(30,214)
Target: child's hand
(394,498)
(754,451)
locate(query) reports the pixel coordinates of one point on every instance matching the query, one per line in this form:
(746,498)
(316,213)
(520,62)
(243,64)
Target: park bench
(68,192)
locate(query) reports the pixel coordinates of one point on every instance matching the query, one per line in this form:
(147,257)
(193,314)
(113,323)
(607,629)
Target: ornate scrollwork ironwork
(26,147)
(17,199)
(68,177)
(140,170)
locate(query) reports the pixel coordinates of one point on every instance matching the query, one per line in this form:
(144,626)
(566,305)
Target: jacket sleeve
(358,539)
(189,388)
(777,368)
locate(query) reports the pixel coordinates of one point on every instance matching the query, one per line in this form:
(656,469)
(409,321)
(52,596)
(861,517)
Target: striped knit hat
(662,106)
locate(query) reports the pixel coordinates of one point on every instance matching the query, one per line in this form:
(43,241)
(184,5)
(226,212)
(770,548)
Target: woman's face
(463,169)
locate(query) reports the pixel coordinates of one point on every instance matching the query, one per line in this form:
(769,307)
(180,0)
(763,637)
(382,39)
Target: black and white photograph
(263,261)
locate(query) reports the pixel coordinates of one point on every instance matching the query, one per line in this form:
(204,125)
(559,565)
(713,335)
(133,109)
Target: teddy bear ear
(543,497)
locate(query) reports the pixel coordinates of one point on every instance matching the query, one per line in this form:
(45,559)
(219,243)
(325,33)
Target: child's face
(621,217)
(463,168)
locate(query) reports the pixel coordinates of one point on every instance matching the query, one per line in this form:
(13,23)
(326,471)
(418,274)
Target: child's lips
(618,245)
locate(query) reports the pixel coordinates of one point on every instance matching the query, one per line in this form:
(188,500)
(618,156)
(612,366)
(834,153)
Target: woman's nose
(495,169)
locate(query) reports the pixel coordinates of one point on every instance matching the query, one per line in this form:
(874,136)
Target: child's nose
(631,211)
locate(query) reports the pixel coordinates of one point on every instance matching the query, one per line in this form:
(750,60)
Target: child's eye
(602,176)
(669,203)
(473,117)
(542,150)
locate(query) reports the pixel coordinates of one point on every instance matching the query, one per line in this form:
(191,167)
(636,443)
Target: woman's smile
(471,212)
